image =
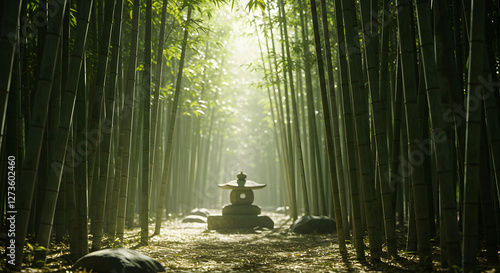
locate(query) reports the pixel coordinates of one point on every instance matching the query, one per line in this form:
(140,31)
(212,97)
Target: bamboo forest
(249,136)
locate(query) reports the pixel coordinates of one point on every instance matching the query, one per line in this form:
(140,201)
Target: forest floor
(191,247)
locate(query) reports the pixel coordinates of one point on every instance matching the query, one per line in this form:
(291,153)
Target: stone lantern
(240,213)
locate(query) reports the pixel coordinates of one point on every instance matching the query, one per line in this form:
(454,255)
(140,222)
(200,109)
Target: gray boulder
(194,219)
(201,212)
(281,209)
(118,260)
(313,224)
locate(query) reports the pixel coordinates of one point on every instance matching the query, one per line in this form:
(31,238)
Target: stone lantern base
(217,222)
(241,210)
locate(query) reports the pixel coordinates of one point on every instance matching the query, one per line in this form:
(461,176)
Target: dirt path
(191,247)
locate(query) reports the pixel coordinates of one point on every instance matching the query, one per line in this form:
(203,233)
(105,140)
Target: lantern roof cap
(241,184)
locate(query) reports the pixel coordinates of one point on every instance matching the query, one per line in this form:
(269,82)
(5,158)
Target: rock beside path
(118,260)
(200,211)
(194,219)
(313,224)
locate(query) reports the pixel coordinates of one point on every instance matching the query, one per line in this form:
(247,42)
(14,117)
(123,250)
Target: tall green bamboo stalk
(370,45)
(34,140)
(330,140)
(348,130)
(473,135)
(295,113)
(58,152)
(9,38)
(127,122)
(146,104)
(413,128)
(440,139)
(103,122)
(360,106)
(173,115)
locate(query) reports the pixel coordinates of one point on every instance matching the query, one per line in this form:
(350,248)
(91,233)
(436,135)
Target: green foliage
(31,254)
(40,263)
(254,4)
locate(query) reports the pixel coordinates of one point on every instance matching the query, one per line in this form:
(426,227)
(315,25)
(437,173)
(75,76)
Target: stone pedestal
(218,222)
(240,213)
(241,210)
